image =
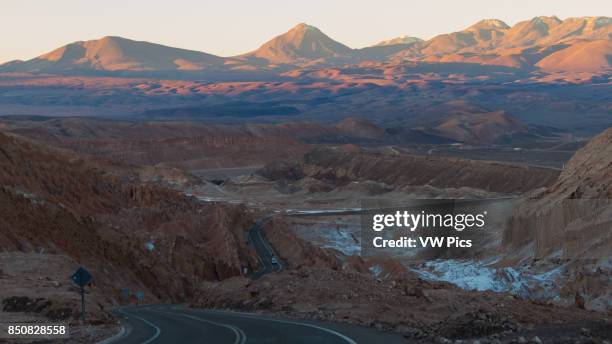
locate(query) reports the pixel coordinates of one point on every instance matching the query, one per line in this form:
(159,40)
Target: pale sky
(29,28)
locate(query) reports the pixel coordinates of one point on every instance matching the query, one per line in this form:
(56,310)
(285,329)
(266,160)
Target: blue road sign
(81,277)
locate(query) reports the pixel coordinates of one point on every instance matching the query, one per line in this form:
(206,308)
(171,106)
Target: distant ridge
(528,44)
(398,40)
(546,43)
(119,54)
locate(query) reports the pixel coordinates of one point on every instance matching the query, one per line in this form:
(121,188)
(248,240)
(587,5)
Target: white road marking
(157,329)
(263,265)
(270,250)
(123,332)
(250,316)
(241,337)
(338,334)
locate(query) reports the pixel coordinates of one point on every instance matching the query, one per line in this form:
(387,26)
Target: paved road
(270,261)
(265,252)
(161,324)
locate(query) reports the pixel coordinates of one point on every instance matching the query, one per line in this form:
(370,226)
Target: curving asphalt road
(265,252)
(173,324)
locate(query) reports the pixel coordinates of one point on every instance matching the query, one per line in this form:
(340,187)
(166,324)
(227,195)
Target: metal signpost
(81,278)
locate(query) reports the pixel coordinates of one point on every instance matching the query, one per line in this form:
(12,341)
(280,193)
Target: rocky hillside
(478,128)
(584,186)
(195,146)
(184,145)
(324,284)
(588,175)
(582,56)
(572,219)
(341,165)
(130,235)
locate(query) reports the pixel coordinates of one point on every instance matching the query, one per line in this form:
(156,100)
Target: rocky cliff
(349,163)
(130,235)
(572,220)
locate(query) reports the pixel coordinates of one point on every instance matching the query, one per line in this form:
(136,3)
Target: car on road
(274,261)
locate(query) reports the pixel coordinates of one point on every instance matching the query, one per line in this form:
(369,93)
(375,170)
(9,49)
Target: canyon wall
(129,234)
(349,163)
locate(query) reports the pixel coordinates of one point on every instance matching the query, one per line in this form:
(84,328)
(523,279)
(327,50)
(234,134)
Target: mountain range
(547,43)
